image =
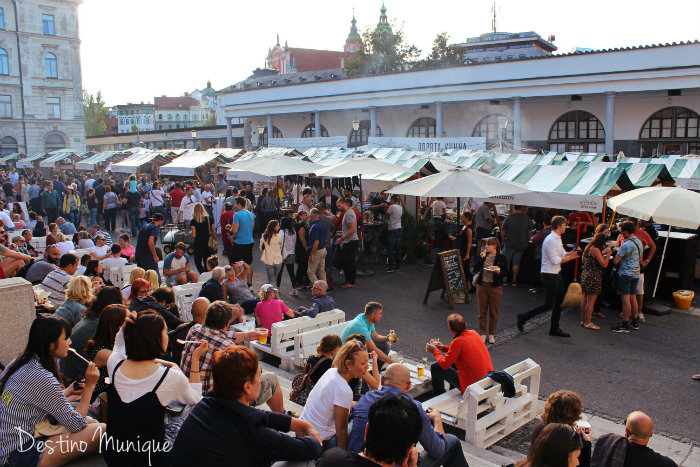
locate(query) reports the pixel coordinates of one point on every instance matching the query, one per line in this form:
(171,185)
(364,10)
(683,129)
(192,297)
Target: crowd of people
(120,370)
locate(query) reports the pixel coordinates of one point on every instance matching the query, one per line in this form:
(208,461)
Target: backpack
(302,384)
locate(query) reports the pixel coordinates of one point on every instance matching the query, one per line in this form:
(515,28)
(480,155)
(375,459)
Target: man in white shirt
(197,193)
(306,200)
(100,249)
(187,207)
(393,234)
(56,281)
(157,198)
(553,256)
(115,260)
(439,209)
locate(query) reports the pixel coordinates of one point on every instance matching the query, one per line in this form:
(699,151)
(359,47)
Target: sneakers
(492,339)
(634,324)
(483,337)
(622,328)
(642,319)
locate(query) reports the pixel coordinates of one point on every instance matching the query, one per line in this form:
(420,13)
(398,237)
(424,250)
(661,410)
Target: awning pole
(661,263)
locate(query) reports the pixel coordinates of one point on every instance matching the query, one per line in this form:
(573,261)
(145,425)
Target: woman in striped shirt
(30,390)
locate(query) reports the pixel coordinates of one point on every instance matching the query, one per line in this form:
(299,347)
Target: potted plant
(416,237)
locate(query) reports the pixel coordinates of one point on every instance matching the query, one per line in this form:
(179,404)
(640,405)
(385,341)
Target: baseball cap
(267,287)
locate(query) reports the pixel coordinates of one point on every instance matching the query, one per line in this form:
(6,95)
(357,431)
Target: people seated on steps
(144,298)
(220,316)
(176,266)
(237,291)
(364,324)
(322,302)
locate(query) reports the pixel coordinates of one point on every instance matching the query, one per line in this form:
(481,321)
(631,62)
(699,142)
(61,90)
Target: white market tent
(573,187)
(5,159)
(61,156)
(133,163)
(91,163)
(684,170)
(29,160)
(185,165)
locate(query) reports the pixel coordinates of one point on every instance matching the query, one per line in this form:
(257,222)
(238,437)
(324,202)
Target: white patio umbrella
(353,166)
(464,183)
(673,206)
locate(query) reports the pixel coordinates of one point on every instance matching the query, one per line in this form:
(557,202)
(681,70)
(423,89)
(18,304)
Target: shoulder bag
(302,384)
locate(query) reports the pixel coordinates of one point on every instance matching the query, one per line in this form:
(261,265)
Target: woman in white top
(329,402)
(271,247)
(142,385)
(63,244)
(136,273)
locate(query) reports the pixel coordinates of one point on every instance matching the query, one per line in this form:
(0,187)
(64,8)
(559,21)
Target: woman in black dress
(201,227)
(301,249)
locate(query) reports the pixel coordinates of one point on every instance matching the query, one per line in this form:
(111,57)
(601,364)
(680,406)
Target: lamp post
(355,125)
(261,132)
(194,139)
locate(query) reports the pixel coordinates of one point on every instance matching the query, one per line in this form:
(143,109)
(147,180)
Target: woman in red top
(270,310)
(467,352)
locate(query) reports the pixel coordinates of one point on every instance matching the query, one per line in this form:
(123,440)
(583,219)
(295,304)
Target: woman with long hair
(557,445)
(142,385)
(94,268)
(78,297)
(71,205)
(64,245)
(596,258)
(489,286)
(331,419)
(368,381)
(323,360)
(301,249)
(51,234)
(201,227)
(31,389)
(289,241)
(271,247)
(152,277)
(99,348)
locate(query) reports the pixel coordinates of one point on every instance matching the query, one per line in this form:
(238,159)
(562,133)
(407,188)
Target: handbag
(213,245)
(302,384)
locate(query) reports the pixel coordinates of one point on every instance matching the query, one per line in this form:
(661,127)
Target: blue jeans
(75,217)
(438,377)
(134,221)
(393,248)
(93,216)
(453,456)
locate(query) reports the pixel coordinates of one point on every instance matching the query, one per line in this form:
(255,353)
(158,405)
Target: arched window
(54,142)
(673,130)
(577,131)
(310,133)
(359,137)
(494,128)
(276,133)
(8,145)
(424,127)
(4,63)
(51,65)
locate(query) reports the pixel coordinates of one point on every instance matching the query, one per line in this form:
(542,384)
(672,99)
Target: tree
(382,51)
(443,54)
(95,114)
(211,121)
(134,128)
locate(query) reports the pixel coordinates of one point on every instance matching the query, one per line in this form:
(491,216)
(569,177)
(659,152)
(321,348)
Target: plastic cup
(421,370)
(262,337)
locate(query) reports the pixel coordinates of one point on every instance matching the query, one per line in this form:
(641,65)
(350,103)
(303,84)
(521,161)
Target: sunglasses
(359,346)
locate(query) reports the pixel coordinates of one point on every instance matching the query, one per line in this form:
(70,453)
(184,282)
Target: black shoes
(559,333)
(521,322)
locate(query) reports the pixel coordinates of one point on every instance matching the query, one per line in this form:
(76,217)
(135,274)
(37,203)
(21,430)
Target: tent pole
(661,263)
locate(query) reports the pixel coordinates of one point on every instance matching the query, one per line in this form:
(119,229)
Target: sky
(133,50)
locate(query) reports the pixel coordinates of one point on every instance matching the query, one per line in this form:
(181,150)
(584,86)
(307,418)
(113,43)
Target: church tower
(354,41)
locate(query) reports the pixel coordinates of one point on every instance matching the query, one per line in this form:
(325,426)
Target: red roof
(314,60)
(174,102)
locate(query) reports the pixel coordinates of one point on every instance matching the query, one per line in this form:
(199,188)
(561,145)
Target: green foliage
(443,54)
(415,234)
(211,121)
(382,51)
(134,128)
(95,114)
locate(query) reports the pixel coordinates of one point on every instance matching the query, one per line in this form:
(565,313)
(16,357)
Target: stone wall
(17,313)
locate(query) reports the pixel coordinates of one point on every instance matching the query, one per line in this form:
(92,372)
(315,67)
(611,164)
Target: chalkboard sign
(448,276)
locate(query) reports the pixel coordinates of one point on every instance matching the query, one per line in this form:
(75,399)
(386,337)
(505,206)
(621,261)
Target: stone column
(229,132)
(609,123)
(317,124)
(517,141)
(17,310)
(247,135)
(269,128)
(373,121)
(438,119)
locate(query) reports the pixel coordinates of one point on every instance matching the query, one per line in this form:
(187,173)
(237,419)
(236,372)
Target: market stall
(31,160)
(91,163)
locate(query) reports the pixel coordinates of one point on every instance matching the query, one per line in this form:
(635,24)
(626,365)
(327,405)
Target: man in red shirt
(649,252)
(467,352)
(176,195)
(582,218)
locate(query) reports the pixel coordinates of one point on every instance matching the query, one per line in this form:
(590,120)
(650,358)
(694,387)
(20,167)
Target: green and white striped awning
(29,159)
(5,159)
(59,156)
(90,162)
(131,164)
(684,170)
(574,187)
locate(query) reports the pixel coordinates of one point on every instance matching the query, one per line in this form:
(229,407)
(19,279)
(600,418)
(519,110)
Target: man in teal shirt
(242,237)
(364,324)
(49,202)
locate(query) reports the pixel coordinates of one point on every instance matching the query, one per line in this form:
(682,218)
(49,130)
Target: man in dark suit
(330,200)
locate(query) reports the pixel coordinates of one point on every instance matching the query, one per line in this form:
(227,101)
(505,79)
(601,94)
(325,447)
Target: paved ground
(648,370)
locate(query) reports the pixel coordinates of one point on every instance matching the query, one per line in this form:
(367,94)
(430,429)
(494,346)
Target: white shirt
(439,208)
(112,262)
(156,197)
(88,184)
(331,390)
(187,207)
(85,243)
(100,250)
(7,222)
(303,207)
(65,247)
(552,253)
(298,192)
(198,196)
(395,212)
(206,198)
